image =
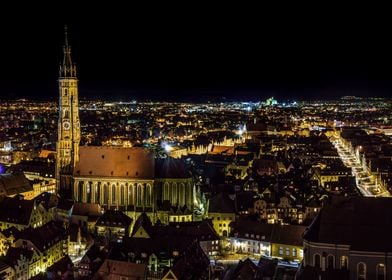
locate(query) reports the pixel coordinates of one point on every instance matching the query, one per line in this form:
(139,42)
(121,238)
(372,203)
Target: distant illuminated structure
(117,177)
(271,101)
(68,122)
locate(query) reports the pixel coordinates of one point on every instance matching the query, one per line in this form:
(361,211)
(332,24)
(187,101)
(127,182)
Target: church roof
(354,222)
(101,161)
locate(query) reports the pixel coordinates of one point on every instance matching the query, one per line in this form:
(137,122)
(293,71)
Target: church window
(361,271)
(330,262)
(97,192)
(139,195)
(344,262)
(148,195)
(106,194)
(128,157)
(380,269)
(317,260)
(130,195)
(103,156)
(122,195)
(114,194)
(80,194)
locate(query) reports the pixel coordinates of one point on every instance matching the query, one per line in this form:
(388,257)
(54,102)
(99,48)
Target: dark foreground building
(350,239)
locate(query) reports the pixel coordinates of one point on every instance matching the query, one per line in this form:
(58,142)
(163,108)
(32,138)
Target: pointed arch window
(139,195)
(330,262)
(343,262)
(122,195)
(380,270)
(317,260)
(114,201)
(361,271)
(106,194)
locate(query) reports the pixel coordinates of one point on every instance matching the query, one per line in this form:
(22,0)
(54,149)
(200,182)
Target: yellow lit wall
(221,222)
(289,252)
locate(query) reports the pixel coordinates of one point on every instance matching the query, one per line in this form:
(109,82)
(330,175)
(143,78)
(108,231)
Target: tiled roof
(16,210)
(221,203)
(11,184)
(135,162)
(364,223)
(86,209)
(113,218)
(273,233)
(44,237)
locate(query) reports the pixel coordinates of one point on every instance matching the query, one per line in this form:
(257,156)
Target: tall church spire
(68,122)
(67,68)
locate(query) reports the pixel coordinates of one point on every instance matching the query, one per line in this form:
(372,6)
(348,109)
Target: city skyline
(214,58)
(172,189)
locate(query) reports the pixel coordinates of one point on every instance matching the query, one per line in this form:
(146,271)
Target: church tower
(68,122)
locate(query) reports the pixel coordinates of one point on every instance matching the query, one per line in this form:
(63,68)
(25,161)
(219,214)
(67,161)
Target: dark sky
(248,53)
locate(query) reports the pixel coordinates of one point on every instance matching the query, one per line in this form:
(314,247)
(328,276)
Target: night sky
(198,55)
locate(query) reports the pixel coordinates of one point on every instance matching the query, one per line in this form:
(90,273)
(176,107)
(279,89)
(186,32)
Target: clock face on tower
(66,125)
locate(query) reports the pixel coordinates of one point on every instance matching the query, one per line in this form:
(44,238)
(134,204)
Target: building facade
(349,238)
(122,178)
(68,122)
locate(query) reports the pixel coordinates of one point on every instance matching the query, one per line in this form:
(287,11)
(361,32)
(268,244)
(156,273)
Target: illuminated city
(265,187)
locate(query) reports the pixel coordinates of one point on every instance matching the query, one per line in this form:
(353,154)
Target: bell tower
(68,122)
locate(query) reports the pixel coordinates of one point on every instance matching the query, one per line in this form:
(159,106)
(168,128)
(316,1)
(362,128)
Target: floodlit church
(127,179)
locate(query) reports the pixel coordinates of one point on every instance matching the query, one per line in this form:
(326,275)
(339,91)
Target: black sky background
(200,54)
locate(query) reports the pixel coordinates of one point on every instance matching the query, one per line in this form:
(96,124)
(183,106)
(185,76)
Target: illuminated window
(294,252)
(380,269)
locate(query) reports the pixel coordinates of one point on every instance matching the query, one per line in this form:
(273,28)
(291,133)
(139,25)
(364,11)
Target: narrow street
(365,181)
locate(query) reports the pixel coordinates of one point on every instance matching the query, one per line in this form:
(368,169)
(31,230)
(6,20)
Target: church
(129,179)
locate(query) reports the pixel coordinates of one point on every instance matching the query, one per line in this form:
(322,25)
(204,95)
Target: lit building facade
(68,122)
(271,240)
(124,178)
